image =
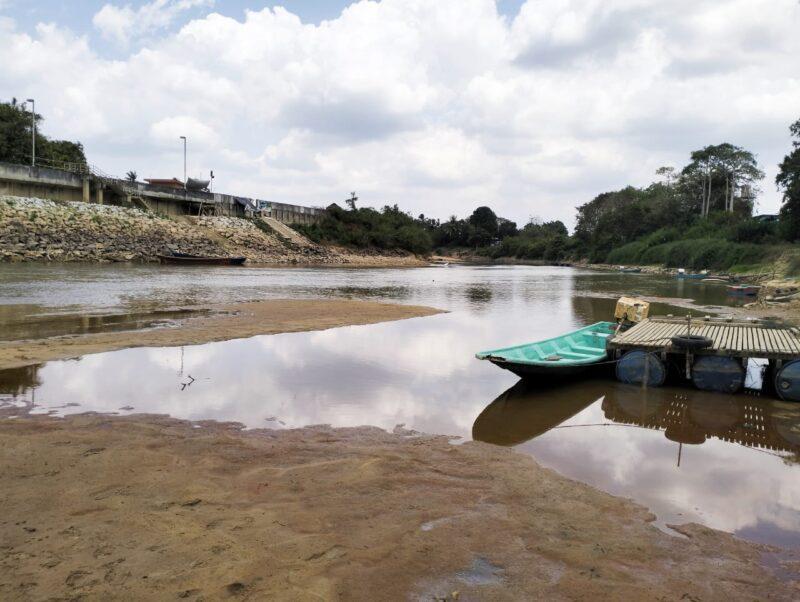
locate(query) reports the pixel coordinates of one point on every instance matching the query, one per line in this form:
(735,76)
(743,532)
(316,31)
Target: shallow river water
(731,462)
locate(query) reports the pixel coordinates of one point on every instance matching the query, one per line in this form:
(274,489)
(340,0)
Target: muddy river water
(730,462)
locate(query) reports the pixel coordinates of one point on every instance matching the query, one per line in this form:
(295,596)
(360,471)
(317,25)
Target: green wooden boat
(568,354)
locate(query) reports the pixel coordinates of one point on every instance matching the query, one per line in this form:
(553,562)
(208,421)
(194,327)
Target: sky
(532,107)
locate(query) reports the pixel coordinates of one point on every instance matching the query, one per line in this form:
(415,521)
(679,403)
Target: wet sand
(143,507)
(215,323)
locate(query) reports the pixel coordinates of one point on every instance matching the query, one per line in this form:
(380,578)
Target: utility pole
(184,161)
(33,132)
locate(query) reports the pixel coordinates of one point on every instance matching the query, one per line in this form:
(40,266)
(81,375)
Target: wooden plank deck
(733,338)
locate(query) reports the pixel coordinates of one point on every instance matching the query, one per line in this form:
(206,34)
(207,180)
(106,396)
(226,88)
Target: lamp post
(184,161)
(33,132)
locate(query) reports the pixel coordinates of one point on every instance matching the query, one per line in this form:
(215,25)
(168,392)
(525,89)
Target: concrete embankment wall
(44,230)
(61,185)
(40,182)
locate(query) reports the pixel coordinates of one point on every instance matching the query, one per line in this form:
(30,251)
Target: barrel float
(787,381)
(719,374)
(637,366)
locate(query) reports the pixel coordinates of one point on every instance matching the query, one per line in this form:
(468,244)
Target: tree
(131,176)
(716,171)
(788,180)
(507,228)
(15,139)
(351,202)
(668,173)
(484,219)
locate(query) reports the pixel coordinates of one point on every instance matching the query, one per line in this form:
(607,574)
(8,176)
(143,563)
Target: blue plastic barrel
(717,373)
(634,365)
(787,381)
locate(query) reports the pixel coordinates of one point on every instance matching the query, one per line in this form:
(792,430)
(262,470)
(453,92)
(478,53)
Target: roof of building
(172,182)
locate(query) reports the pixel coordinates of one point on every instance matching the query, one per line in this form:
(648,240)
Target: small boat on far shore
(567,354)
(625,270)
(684,275)
(187,259)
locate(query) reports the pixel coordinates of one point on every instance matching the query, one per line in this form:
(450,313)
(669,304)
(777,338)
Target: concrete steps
(287,232)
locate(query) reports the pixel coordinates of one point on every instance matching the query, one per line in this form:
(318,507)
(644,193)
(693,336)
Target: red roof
(172,182)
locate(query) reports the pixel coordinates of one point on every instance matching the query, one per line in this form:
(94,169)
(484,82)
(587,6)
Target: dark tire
(691,342)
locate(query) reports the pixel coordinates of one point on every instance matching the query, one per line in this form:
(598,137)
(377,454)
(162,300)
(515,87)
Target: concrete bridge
(90,185)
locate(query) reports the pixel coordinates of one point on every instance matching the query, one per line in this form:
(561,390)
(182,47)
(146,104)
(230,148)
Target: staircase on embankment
(286,232)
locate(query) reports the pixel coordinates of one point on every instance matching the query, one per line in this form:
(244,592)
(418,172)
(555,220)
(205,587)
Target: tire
(691,342)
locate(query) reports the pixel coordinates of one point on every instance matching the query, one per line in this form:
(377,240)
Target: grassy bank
(699,254)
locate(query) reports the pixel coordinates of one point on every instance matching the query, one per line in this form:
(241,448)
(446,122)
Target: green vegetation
(697,217)
(387,229)
(482,233)
(788,180)
(15,139)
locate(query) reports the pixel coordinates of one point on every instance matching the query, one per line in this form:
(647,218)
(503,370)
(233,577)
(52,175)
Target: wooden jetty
(732,338)
(651,350)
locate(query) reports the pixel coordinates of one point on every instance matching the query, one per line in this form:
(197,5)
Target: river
(730,462)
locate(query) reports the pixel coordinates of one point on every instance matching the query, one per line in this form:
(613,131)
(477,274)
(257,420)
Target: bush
(754,231)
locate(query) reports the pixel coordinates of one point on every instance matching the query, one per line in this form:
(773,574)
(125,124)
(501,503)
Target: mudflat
(215,323)
(145,507)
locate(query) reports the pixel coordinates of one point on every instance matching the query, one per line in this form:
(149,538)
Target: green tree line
(698,216)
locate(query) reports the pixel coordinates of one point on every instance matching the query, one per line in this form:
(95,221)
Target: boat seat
(590,350)
(575,356)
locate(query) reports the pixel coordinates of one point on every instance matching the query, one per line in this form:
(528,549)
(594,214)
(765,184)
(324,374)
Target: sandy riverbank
(216,323)
(101,507)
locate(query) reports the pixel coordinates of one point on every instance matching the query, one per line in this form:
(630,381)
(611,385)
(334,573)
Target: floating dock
(742,338)
(648,353)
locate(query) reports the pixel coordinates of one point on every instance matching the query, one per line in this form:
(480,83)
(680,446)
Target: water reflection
(18,322)
(528,410)
(18,381)
(730,462)
(422,373)
(694,417)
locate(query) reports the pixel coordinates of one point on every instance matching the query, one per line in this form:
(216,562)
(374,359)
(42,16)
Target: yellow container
(630,309)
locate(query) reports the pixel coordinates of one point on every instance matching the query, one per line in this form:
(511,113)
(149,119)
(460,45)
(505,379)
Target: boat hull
(531,371)
(195,260)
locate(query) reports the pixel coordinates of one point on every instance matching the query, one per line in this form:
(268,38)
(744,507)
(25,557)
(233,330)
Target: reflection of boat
(524,412)
(743,289)
(568,354)
(697,416)
(186,259)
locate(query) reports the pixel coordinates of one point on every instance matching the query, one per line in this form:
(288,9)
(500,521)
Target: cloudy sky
(532,107)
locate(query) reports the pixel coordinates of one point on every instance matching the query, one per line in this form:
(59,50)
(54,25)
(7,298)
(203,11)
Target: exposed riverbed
(727,462)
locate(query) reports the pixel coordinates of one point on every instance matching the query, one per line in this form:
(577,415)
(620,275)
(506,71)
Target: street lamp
(33,130)
(184,161)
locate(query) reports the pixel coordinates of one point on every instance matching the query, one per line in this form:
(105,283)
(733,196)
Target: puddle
(482,572)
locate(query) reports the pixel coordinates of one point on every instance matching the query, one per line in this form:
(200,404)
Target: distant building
(171,183)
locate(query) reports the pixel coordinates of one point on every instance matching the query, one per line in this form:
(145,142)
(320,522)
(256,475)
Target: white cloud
(437,106)
(168,130)
(122,23)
